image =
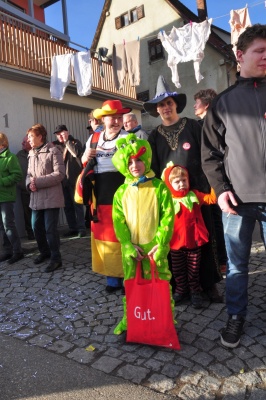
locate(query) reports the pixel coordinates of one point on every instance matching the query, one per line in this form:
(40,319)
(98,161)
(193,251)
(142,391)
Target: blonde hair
(3,140)
(177,172)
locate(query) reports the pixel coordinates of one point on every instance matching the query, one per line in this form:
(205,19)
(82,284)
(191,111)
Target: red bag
(149,312)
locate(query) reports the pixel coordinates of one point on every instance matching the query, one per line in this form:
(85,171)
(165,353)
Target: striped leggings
(185,269)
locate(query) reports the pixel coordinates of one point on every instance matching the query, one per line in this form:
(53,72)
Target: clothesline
(248,6)
(214,18)
(155,36)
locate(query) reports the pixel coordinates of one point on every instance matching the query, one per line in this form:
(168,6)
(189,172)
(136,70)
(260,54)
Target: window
(125,19)
(133,15)
(143,96)
(129,17)
(155,50)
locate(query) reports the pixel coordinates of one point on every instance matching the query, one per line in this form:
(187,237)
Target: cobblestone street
(69,313)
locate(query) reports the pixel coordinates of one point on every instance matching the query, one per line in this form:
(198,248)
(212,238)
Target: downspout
(65,21)
(31,12)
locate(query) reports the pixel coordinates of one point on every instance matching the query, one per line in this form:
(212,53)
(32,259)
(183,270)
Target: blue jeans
(238,230)
(44,225)
(74,212)
(11,240)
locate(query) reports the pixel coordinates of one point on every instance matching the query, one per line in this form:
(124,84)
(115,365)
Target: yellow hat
(110,107)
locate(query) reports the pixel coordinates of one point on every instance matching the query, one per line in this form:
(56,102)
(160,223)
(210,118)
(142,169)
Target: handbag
(149,313)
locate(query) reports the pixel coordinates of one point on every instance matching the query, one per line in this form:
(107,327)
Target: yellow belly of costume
(140,206)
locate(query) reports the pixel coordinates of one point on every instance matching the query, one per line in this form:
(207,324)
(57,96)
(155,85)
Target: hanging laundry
(186,44)
(133,67)
(61,74)
(125,60)
(83,72)
(119,62)
(239,21)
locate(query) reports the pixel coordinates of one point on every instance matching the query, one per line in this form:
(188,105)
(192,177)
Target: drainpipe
(31,12)
(64,13)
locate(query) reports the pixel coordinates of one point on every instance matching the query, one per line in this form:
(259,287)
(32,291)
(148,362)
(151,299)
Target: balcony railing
(26,48)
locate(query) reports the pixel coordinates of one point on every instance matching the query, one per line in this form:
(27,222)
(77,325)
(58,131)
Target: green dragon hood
(130,146)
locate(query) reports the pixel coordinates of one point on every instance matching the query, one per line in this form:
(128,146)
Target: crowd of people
(188,194)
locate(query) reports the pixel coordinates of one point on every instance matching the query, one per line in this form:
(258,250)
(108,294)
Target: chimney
(202,9)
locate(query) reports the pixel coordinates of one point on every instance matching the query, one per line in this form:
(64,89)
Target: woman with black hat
(178,140)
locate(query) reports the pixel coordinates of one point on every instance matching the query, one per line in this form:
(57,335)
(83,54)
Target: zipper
(261,122)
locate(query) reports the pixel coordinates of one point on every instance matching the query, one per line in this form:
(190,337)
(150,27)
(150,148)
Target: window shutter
(118,23)
(140,12)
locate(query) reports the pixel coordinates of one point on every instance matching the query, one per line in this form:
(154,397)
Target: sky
(83,15)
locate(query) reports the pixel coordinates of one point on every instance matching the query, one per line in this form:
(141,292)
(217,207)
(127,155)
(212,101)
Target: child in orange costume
(190,233)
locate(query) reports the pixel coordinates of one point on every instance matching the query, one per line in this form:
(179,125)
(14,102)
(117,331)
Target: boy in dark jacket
(234,160)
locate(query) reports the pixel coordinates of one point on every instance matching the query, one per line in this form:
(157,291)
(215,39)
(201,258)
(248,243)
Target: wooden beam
(202,9)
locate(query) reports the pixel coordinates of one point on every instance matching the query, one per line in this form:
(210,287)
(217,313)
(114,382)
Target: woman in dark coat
(179,140)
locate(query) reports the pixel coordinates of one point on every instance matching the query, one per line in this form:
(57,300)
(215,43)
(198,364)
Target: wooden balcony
(28,49)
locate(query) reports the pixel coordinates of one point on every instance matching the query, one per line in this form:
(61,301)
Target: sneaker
(178,297)
(15,258)
(230,336)
(196,300)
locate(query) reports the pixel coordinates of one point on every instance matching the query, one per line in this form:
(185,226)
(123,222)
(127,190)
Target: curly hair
(206,96)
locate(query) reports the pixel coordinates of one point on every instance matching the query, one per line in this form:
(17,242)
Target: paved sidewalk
(69,315)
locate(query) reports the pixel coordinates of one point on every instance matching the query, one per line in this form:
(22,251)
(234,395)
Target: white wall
(16,101)
(160,15)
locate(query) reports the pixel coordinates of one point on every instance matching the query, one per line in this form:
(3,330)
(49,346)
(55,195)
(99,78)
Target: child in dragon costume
(143,213)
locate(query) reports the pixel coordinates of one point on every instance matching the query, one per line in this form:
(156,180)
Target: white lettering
(143,315)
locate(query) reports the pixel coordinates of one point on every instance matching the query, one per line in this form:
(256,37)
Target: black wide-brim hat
(162,92)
